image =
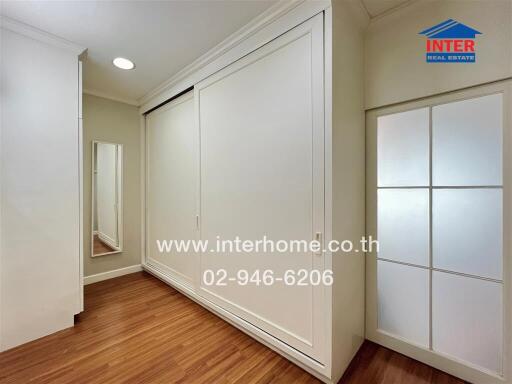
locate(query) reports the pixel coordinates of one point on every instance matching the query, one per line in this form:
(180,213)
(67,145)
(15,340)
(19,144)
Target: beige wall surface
(115,122)
(396,69)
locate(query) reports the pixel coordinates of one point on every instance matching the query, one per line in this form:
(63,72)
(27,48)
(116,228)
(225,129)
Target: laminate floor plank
(137,329)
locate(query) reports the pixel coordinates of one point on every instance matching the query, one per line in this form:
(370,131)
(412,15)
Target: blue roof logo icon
(450,29)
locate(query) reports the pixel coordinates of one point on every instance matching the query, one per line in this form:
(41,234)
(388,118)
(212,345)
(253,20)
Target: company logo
(450,42)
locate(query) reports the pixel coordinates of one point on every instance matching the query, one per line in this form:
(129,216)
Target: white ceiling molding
(377,9)
(363,6)
(265,18)
(109,97)
(361,13)
(393,9)
(39,35)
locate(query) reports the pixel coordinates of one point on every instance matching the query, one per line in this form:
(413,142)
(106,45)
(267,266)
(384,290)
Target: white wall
(396,70)
(113,122)
(348,162)
(39,203)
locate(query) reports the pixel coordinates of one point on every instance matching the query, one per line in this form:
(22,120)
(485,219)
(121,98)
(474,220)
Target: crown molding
(360,12)
(365,10)
(259,22)
(104,95)
(39,35)
(392,10)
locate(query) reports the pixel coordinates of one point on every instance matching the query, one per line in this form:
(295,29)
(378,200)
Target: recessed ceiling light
(121,62)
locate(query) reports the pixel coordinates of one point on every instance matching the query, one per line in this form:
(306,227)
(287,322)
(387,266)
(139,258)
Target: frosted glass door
(440,225)
(262,167)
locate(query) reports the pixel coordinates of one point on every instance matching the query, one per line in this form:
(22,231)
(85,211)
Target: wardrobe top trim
(39,35)
(269,25)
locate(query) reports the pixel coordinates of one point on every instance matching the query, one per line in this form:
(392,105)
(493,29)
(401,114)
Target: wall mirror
(107,192)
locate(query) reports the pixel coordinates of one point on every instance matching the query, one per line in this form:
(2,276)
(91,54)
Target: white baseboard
(111,274)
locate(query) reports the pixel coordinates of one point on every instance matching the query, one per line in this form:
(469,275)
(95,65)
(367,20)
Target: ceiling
(161,37)
(378,7)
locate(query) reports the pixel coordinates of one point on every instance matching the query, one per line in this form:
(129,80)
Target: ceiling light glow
(121,62)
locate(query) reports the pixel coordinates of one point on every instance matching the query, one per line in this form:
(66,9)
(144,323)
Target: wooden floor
(136,329)
(374,364)
(100,247)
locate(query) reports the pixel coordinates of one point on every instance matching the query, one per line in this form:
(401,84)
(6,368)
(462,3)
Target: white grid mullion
(430,242)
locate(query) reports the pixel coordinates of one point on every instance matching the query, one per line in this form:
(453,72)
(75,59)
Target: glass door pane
(467,319)
(403,149)
(467,231)
(467,142)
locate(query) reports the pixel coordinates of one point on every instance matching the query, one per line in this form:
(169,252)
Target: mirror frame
(120,222)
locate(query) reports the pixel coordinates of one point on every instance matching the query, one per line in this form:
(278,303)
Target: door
(438,197)
(172,178)
(261,128)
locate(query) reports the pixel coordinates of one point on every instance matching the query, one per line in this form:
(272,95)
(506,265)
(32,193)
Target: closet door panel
(172,145)
(262,159)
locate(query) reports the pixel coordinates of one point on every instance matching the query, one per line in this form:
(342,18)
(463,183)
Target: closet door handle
(319,238)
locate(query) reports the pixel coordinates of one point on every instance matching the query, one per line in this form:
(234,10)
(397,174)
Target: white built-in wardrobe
(260,172)
(247,153)
(40,185)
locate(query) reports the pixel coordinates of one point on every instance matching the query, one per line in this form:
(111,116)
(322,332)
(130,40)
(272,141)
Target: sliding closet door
(438,196)
(171,184)
(262,163)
